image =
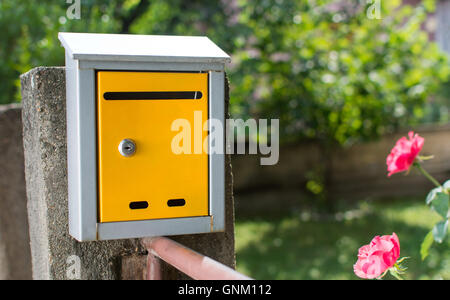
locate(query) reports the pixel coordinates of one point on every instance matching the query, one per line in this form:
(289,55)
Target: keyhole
(127,147)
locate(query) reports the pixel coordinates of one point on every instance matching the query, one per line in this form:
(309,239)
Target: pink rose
(374,259)
(404,153)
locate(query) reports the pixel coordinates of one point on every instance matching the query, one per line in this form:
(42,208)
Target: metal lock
(127,147)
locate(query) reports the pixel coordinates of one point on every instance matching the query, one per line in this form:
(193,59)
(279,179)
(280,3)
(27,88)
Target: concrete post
(15,258)
(55,255)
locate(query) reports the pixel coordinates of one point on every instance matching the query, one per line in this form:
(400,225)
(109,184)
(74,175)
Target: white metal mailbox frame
(85,55)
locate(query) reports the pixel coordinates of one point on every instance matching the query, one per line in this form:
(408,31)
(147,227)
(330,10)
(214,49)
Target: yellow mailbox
(124,93)
(153,183)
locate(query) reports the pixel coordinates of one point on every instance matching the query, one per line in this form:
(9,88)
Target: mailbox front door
(140,177)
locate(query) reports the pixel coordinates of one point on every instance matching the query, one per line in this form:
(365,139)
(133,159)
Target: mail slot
(124,93)
(141,106)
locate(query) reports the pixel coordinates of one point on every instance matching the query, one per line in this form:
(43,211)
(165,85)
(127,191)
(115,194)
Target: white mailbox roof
(142,48)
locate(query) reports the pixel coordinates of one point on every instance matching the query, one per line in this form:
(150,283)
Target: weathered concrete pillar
(53,250)
(15,258)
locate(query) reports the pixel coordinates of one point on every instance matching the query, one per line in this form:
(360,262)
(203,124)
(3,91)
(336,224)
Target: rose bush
(406,154)
(382,254)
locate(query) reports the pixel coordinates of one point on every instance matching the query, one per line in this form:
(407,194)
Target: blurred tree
(332,74)
(29,29)
(29,32)
(325,69)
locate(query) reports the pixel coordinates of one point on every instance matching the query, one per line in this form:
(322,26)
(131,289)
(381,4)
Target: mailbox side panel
(217,154)
(72,115)
(81,151)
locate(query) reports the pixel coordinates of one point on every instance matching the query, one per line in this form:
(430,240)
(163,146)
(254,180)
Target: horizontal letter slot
(139,205)
(176,202)
(153,95)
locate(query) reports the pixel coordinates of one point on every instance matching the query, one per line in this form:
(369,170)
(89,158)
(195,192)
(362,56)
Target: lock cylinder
(127,147)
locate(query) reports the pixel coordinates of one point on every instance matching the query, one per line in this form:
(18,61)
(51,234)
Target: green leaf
(440,204)
(439,231)
(426,245)
(432,194)
(446,185)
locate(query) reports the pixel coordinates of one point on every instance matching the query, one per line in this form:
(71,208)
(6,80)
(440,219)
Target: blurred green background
(330,73)
(353,77)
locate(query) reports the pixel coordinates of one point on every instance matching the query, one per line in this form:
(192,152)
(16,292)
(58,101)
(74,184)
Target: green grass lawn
(294,248)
